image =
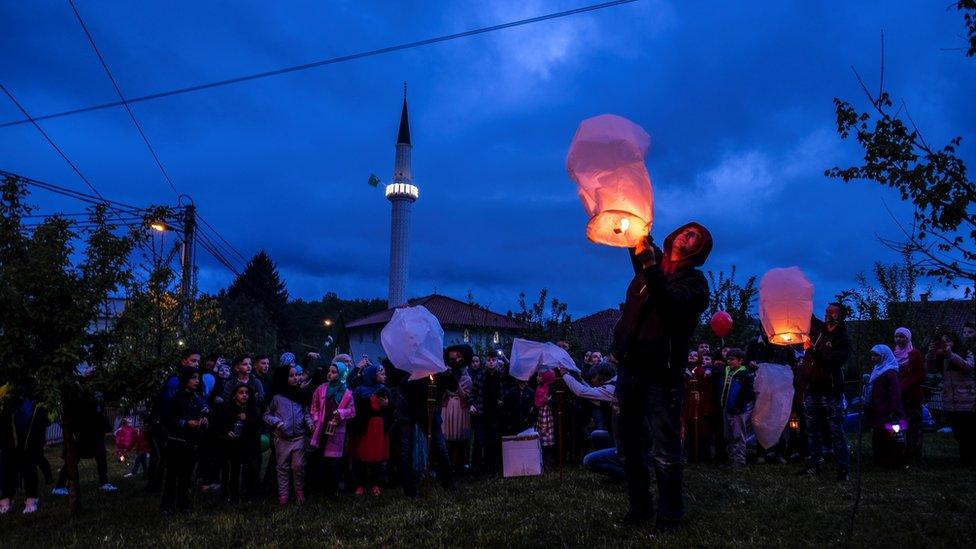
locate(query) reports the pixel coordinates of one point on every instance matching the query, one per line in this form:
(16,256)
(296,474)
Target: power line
(118,90)
(330,61)
(224,240)
(71,193)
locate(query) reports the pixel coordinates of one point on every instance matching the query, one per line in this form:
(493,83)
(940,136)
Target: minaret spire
(401,193)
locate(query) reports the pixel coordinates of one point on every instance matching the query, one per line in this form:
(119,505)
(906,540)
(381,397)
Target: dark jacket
(911,375)
(518,410)
(415,394)
(738,394)
(662,309)
(823,370)
(186,406)
(249,440)
(885,407)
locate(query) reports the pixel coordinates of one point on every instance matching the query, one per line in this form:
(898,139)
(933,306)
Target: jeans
(604,459)
(242,469)
(652,406)
(439,458)
(486,453)
(825,412)
(180,458)
(736,426)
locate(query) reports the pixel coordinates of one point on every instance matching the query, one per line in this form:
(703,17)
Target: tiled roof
(449,312)
(931,314)
(595,331)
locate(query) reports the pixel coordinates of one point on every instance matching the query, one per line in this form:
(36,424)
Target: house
(462,322)
(925,316)
(595,332)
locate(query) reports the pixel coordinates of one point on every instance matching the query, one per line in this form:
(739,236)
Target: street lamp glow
(158,226)
(327,322)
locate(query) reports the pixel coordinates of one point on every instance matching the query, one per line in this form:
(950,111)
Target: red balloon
(721,323)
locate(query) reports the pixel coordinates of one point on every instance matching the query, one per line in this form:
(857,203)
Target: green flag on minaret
(373,180)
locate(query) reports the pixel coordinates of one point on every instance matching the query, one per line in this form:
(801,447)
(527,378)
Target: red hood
(695,259)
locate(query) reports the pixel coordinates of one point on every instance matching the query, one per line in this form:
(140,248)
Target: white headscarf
(901,353)
(888,361)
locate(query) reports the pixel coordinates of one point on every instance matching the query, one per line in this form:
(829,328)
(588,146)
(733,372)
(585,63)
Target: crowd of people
(246,432)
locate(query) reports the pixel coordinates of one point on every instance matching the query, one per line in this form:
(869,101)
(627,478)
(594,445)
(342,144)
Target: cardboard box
(521,456)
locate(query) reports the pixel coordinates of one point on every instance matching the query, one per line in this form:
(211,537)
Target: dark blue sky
(737,100)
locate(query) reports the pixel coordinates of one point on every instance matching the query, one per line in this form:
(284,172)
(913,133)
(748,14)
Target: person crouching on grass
(372,447)
(291,423)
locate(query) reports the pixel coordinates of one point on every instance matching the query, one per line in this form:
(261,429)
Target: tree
(873,316)
(50,296)
(546,319)
(737,300)
(261,285)
(933,178)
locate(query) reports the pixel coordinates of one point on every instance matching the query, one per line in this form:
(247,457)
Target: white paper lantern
(606,160)
(786,306)
(414,342)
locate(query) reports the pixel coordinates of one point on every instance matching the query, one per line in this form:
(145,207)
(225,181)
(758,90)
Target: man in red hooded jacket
(665,301)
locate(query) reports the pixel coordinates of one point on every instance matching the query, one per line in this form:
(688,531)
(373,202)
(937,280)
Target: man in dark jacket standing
(665,301)
(823,402)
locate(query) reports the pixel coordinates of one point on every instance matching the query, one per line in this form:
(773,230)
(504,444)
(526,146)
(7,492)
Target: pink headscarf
(542,389)
(901,353)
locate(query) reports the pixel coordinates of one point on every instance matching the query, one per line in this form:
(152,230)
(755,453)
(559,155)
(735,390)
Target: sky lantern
(785,306)
(606,160)
(414,342)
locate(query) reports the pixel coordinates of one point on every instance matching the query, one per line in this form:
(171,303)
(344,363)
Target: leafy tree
(50,297)
(932,177)
(260,284)
(546,319)
(252,321)
(737,300)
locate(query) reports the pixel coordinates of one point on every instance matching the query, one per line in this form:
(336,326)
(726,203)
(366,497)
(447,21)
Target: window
(467,336)
(496,339)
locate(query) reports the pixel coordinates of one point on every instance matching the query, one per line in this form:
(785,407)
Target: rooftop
(449,312)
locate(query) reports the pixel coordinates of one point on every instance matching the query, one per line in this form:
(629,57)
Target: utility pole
(187,263)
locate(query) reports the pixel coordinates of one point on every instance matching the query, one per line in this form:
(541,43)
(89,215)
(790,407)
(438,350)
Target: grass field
(930,505)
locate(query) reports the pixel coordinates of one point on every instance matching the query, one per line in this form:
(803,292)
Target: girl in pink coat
(332,406)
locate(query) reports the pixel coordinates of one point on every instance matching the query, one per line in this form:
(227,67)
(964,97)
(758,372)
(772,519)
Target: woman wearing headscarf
(372,447)
(884,412)
(911,375)
(332,406)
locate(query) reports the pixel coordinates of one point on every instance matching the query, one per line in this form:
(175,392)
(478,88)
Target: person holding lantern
(885,414)
(911,375)
(664,302)
(823,402)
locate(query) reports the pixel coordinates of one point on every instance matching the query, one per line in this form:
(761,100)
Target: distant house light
(496,339)
(467,336)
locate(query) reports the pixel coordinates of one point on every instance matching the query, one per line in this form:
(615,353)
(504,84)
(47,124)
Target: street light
(327,322)
(158,226)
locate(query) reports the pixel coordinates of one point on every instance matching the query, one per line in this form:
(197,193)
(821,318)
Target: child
(545,425)
(240,436)
(128,438)
(290,421)
(186,423)
(737,401)
(372,446)
(332,403)
(518,408)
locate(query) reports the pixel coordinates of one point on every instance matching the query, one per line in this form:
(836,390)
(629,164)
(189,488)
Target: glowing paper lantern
(785,306)
(414,342)
(606,160)
(721,323)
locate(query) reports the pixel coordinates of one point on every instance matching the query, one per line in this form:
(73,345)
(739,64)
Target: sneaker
(128,475)
(360,491)
(375,491)
(4,506)
(107,487)
(30,506)
(60,491)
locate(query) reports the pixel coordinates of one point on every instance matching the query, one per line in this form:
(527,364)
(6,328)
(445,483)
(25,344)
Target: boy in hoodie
(664,302)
